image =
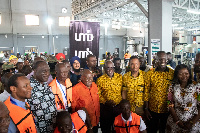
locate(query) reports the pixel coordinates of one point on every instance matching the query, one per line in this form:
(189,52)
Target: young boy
(78,121)
(127,121)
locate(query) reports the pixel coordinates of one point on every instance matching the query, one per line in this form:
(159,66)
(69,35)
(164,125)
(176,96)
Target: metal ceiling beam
(141,7)
(79,6)
(131,11)
(187,4)
(100,8)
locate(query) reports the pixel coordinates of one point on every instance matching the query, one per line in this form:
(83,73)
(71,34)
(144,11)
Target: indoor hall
(105,37)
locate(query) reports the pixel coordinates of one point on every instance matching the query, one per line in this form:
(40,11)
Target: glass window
(64,21)
(32,19)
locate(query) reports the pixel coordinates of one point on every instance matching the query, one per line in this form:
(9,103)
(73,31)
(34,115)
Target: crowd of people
(56,95)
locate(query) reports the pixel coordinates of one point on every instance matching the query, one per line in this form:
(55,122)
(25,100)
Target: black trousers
(107,117)
(95,129)
(157,122)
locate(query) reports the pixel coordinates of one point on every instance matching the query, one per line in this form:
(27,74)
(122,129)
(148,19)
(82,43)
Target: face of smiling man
(109,68)
(162,60)
(23,89)
(42,72)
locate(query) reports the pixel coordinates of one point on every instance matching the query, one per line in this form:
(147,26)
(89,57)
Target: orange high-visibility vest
(131,127)
(23,119)
(58,94)
(79,125)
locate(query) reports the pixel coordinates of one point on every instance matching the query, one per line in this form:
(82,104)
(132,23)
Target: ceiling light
(104,25)
(128,27)
(64,21)
(49,21)
(192,29)
(116,24)
(136,24)
(174,25)
(193,11)
(136,28)
(179,28)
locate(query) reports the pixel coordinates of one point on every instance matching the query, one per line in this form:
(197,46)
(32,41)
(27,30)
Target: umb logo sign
(83,54)
(84,39)
(84,36)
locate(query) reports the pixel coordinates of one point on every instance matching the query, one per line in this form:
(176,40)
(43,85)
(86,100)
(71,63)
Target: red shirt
(88,98)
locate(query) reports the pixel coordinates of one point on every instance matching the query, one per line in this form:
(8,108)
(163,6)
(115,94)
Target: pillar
(160,25)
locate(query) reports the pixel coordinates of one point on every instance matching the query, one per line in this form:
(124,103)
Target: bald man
(4,118)
(110,87)
(85,94)
(62,87)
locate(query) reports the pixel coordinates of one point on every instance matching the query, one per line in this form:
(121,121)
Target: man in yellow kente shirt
(157,82)
(133,86)
(109,85)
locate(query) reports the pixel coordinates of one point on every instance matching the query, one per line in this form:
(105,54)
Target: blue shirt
(12,127)
(74,78)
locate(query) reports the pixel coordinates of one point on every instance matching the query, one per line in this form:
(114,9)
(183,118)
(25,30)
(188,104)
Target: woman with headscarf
(184,103)
(75,73)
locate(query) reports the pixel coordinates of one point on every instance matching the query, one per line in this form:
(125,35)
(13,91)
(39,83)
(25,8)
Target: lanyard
(128,127)
(13,102)
(62,89)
